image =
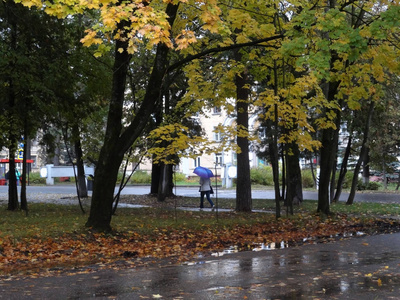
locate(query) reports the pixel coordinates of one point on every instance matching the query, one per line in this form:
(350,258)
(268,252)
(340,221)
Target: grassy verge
(53,237)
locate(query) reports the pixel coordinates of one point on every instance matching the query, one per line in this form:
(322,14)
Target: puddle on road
(286,244)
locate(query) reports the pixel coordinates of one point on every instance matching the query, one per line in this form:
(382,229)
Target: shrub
(179,177)
(34,178)
(262,176)
(141,177)
(348,178)
(371,186)
(307,179)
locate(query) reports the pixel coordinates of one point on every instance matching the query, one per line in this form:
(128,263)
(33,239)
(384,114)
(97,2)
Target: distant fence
(50,172)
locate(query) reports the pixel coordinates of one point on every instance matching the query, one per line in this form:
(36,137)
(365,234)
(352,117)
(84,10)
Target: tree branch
(221,49)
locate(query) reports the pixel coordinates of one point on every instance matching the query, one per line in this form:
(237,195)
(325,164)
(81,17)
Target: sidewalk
(357,268)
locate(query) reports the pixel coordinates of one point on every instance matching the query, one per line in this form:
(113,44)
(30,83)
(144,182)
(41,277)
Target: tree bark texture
(117,141)
(243,183)
(165,183)
(155,178)
(294,184)
(13,203)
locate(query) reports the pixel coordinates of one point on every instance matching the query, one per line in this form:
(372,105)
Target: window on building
(234,159)
(197,162)
(217,110)
(217,134)
(218,159)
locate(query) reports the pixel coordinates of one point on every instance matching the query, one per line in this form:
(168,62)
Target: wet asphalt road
(193,192)
(357,268)
(366,267)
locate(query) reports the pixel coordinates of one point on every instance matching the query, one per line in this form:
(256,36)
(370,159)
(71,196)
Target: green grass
(51,220)
(42,220)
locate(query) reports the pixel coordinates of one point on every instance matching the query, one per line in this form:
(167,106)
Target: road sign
(20,153)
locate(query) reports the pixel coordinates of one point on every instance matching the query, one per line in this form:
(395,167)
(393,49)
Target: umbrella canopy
(203,172)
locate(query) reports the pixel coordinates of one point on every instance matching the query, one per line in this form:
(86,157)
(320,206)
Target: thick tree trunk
(243,183)
(165,183)
(328,148)
(155,178)
(110,157)
(294,193)
(116,142)
(13,203)
(105,178)
(326,171)
(156,167)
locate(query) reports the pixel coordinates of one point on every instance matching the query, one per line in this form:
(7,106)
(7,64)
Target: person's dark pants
(207,193)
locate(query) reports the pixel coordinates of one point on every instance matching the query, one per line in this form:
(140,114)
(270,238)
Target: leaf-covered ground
(53,238)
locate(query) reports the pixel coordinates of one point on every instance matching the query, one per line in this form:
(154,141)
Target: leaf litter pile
(52,238)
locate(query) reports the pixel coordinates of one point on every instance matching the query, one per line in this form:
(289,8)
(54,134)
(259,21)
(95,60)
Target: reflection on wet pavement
(366,267)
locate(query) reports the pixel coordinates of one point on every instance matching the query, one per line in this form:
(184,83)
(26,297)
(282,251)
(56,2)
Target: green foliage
(34,178)
(307,179)
(262,176)
(179,177)
(371,186)
(141,177)
(347,180)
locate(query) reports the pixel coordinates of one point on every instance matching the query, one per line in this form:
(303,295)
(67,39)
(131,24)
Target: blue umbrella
(203,172)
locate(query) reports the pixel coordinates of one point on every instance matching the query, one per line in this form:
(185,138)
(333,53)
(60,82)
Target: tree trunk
(326,171)
(82,188)
(343,170)
(155,178)
(327,152)
(110,157)
(243,182)
(116,142)
(363,153)
(294,193)
(24,202)
(156,168)
(13,203)
(335,154)
(81,179)
(273,152)
(165,183)
(284,174)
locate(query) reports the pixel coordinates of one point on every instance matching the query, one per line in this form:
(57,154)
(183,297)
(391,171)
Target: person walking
(205,189)
(17,176)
